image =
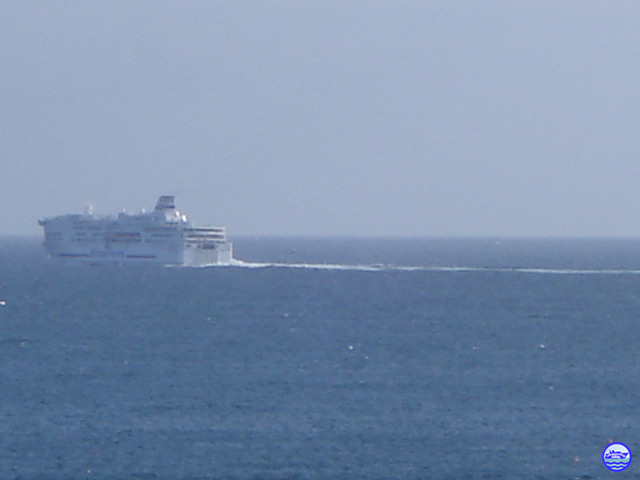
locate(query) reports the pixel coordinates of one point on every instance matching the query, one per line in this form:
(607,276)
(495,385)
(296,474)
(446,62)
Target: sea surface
(324,358)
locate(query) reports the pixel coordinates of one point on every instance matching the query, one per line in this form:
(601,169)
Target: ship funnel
(166,202)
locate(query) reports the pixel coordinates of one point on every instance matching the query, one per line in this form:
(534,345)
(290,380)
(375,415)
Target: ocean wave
(617,465)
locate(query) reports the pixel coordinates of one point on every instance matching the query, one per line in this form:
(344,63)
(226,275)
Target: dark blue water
(510,359)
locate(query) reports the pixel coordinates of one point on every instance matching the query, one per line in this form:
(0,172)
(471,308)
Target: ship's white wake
(314,266)
(410,268)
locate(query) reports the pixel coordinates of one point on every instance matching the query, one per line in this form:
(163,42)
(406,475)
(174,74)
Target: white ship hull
(164,236)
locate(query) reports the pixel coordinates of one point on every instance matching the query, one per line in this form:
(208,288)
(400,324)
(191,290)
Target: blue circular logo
(616,457)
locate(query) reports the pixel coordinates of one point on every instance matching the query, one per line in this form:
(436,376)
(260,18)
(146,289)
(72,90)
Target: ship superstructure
(163,236)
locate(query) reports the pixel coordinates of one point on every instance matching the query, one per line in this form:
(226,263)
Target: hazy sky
(332,118)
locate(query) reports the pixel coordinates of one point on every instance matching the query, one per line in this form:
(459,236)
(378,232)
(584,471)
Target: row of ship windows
(187,244)
(138,236)
(103,228)
(204,246)
(154,232)
(110,240)
(122,234)
(118,236)
(130,237)
(204,237)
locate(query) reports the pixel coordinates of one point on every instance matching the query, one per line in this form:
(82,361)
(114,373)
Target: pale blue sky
(326,118)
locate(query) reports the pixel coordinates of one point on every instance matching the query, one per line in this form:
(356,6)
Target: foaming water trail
(416,268)
(313,266)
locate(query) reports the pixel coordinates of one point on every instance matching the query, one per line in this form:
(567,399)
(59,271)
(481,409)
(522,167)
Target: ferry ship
(163,236)
(613,455)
